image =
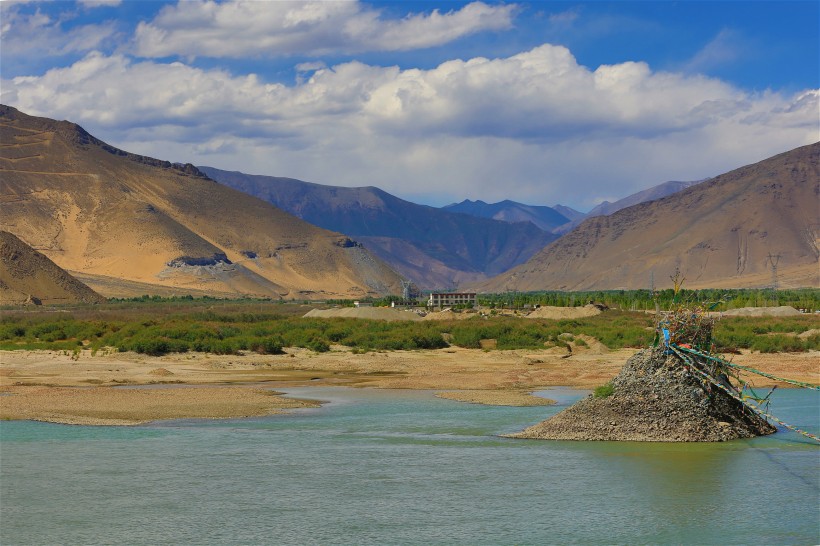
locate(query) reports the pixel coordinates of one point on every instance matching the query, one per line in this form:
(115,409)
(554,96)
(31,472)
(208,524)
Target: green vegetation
(214,333)
(604,390)
(614,329)
(641,300)
(766,334)
(158,327)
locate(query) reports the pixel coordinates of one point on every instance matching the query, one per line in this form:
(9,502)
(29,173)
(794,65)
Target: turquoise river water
(402,467)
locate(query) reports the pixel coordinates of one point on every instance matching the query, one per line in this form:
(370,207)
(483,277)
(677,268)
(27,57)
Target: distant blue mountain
(546,218)
(434,248)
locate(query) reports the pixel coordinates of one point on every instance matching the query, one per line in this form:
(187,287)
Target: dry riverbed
(60,387)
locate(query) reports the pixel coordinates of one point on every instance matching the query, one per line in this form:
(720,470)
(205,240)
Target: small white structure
(362,304)
(450,299)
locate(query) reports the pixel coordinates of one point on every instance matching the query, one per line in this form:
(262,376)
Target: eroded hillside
(123,220)
(726,232)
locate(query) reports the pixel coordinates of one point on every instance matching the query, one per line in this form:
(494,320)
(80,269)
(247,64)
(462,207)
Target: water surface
(402,467)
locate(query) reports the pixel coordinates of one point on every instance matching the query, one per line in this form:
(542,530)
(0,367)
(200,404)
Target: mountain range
(752,227)
(128,224)
(434,248)
(546,218)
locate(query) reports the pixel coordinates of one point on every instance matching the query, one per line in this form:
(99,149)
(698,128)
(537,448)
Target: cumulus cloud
(28,37)
(272,29)
(536,126)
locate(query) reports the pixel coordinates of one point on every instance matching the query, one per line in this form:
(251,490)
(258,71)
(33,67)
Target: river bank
(62,387)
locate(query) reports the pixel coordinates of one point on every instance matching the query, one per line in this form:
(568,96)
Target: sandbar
(86,388)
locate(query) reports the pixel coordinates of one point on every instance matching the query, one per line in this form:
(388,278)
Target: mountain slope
(719,233)
(432,247)
(606,208)
(569,212)
(650,194)
(26,276)
(108,214)
(545,218)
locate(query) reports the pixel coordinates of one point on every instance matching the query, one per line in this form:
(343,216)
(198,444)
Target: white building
(451,299)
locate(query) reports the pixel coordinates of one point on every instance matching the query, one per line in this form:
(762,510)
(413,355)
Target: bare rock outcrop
(655,398)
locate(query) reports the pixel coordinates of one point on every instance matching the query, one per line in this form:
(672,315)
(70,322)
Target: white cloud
(28,37)
(90,4)
(725,48)
(536,127)
(273,29)
(564,18)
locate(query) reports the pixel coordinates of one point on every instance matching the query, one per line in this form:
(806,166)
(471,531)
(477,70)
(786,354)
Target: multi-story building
(451,299)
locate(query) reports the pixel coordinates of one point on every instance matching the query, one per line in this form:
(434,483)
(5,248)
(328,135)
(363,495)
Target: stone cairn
(664,394)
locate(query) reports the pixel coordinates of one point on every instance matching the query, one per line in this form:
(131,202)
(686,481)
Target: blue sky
(540,102)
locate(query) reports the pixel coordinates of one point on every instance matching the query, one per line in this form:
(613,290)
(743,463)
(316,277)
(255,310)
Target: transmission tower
(772,261)
(405,290)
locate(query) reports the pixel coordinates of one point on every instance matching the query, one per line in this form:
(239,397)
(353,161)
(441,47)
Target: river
(402,467)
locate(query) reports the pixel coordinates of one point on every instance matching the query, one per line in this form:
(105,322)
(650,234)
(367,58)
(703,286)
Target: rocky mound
(655,398)
(26,276)
(372,313)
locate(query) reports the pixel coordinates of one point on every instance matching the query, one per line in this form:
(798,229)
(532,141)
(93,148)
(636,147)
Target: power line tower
(773,261)
(405,290)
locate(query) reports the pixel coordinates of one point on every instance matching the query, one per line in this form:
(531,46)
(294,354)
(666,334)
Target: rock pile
(655,398)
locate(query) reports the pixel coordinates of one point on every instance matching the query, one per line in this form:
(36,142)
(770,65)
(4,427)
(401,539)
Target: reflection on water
(401,467)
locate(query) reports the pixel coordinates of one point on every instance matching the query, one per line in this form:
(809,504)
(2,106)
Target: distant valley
(434,248)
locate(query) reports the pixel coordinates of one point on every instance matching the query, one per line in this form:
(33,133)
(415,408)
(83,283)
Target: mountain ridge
(109,214)
(545,218)
(432,247)
(718,233)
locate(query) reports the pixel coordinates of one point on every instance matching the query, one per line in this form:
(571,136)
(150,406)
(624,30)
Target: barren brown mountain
(727,232)
(129,224)
(26,276)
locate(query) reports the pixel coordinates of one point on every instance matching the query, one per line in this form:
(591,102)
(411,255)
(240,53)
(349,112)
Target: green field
(157,326)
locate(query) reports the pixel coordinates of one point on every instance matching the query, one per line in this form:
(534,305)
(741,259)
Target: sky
(543,103)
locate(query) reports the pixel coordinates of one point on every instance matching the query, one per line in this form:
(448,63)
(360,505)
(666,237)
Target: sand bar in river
(55,386)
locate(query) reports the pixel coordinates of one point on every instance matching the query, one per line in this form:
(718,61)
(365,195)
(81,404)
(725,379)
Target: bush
(604,391)
(318,345)
(269,346)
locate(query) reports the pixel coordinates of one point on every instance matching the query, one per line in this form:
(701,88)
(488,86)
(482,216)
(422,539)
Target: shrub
(604,391)
(318,345)
(268,346)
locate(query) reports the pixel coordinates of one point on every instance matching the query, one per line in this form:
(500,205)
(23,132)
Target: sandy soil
(548,312)
(781,311)
(373,313)
(55,386)
(107,406)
